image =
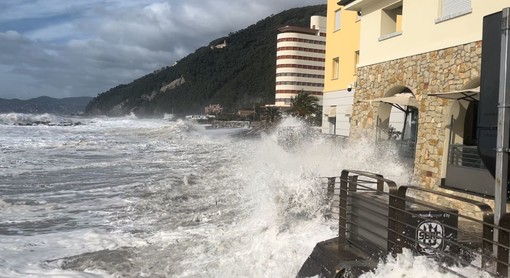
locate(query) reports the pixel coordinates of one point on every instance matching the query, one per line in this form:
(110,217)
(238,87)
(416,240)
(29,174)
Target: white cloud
(84,47)
(58,32)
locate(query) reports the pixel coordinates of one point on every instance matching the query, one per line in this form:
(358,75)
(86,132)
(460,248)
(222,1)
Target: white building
(300,61)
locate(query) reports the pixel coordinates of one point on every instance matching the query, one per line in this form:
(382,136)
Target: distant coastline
(41,105)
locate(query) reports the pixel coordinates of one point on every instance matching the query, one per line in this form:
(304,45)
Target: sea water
(128,197)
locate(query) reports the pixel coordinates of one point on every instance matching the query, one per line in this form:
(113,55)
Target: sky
(67,48)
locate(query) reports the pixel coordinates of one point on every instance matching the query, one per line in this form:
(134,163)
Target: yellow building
(342,54)
(424,52)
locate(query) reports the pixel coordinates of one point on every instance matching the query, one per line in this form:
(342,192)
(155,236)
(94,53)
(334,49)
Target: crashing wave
(293,134)
(21,119)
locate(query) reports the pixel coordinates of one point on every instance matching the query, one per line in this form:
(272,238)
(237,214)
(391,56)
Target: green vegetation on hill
(240,75)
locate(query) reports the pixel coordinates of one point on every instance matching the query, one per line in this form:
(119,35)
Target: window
(453,8)
(356,61)
(391,21)
(337,20)
(336,68)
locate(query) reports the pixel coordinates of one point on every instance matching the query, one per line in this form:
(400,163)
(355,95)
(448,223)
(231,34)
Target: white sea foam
(39,256)
(20,118)
(282,210)
(407,265)
(131,197)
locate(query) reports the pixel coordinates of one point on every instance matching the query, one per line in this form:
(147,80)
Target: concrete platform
(329,259)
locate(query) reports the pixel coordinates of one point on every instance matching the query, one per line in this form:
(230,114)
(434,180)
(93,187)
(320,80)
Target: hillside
(240,75)
(40,105)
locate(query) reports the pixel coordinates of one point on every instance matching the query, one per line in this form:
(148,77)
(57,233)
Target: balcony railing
(466,156)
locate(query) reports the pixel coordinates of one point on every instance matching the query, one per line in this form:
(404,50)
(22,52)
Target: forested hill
(240,75)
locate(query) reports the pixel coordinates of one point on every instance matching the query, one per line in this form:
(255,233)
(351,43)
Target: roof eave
(345,2)
(356,5)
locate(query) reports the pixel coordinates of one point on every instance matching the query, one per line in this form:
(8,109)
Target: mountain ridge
(45,104)
(239,74)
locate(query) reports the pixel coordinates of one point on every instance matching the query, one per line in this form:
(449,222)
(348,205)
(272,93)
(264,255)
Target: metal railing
(467,156)
(380,218)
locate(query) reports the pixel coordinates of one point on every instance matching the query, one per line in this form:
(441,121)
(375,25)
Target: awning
(472,94)
(332,112)
(398,100)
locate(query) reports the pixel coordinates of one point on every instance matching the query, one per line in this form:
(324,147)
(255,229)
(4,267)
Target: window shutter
(337,20)
(451,7)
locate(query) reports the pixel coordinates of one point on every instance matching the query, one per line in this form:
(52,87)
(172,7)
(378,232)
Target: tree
(213,109)
(272,113)
(305,105)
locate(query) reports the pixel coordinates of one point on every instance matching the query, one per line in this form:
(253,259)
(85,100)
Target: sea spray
(406,264)
(128,197)
(283,201)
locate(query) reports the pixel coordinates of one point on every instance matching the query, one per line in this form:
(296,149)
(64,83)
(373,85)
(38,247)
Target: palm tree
(272,113)
(304,105)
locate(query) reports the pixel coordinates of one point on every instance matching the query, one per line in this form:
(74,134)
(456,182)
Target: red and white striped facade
(300,56)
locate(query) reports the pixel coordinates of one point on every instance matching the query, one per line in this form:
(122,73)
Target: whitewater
(129,197)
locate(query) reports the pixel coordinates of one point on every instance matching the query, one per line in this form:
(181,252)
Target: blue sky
(64,48)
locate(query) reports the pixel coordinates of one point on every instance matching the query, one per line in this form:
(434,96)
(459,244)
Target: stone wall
(436,71)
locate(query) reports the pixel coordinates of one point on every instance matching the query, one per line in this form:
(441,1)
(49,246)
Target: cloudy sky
(63,48)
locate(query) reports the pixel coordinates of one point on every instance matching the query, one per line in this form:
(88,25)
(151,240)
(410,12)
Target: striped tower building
(300,60)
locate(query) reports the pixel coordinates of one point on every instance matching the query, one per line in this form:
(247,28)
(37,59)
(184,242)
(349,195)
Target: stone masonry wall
(436,71)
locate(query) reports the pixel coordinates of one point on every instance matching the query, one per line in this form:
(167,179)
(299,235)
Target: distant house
(213,109)
(246,112)
(220,45)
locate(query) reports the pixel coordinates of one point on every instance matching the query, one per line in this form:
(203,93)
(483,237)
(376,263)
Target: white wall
(343,102)
(422,31)
(397,120)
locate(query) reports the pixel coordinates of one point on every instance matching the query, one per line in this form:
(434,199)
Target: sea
(130,197)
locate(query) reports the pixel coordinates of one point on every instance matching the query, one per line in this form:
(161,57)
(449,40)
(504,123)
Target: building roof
(297,29)
(356,5)
(344,2)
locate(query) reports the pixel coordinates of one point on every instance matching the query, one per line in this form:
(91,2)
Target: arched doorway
(397,119)
(463,113)
(463,168)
